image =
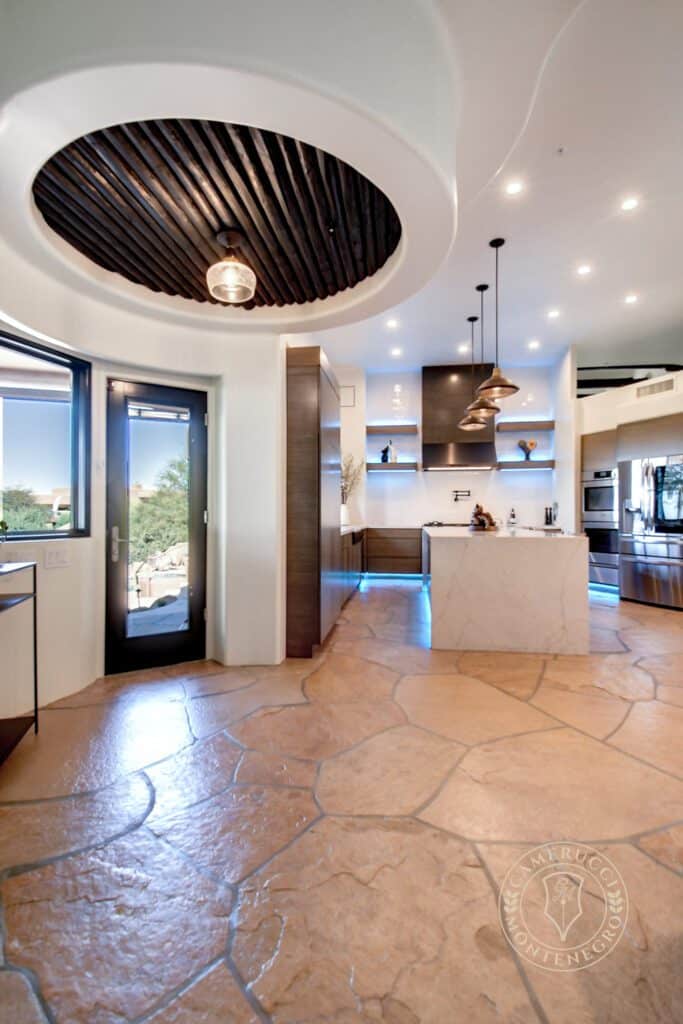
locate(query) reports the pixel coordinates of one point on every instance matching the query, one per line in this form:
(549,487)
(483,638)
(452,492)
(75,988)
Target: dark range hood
(446,391)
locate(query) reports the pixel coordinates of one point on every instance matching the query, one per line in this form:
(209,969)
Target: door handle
(115,541)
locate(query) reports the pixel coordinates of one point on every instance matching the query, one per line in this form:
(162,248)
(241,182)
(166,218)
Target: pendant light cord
(496,307)
(481,318)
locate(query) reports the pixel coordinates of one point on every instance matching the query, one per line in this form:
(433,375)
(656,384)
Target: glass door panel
(156,531)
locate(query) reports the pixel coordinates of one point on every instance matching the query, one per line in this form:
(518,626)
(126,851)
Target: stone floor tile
(349,631)
(418,636)
(393,773)
(147,687)
(215,999)
(400,658)
(650,641)
(596,713)
(220,682)
(108,933)
(199,771)
(605,641)
(666,847)
(670,695)
(82,749)
(264,769)
(465,709)
(654,732)
(316,730)
(236,831)
(516,674)
(343,678)
(666,668)
(18,1005)
(194,669)
(597,673)
(640,981)
(553,785)
(402,928)
(209,714)
(34,832)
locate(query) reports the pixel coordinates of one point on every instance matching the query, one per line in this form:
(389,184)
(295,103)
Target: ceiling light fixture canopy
(231,279)
(497,385)
(471,420)
(481,406)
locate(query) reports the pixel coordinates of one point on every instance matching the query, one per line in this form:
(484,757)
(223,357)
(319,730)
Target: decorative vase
(344,514)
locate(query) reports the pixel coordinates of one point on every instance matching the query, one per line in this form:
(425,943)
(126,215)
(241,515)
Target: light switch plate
(56,556)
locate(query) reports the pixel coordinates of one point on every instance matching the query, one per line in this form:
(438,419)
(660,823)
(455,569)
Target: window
(44,441)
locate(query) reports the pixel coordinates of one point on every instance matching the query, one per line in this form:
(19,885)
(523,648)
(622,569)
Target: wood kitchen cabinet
(352,561)
(393,550)
(315,577)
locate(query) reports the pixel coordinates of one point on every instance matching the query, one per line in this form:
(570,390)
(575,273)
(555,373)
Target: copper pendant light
(470,420)
(481,406)
(497,385)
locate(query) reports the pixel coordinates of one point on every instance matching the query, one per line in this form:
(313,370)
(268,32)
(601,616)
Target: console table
(12,729)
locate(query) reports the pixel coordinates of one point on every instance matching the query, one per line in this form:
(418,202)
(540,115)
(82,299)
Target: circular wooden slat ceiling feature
(147,199)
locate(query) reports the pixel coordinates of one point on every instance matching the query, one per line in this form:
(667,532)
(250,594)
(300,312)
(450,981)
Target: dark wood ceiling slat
(147,200)
(129,206)
(246,214)
(90,185)
(235,214)
(317,238)
(287,211)
(322,209)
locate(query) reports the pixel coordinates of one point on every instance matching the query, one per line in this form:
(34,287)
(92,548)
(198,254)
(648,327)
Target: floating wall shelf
(527,464)
(523,426)
(389,466)
(391,428)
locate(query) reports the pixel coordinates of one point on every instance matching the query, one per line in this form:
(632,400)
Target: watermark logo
(563,906)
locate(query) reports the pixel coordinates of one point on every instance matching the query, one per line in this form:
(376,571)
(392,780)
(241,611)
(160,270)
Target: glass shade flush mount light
(231,280)
(471,420)
(481,406)
(497,385)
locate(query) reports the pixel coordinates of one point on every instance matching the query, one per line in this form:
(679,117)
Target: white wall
(249,526)
(352,423)
(410,499)
(623,405)
(565,482)
(246,542)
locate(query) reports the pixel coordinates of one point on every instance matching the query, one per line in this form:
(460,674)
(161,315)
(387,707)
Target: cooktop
(436,522)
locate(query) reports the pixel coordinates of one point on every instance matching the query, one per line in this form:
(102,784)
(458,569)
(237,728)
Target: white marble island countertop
(501,590)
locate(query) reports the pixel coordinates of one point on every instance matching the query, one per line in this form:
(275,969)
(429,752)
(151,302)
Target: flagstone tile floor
(322,842)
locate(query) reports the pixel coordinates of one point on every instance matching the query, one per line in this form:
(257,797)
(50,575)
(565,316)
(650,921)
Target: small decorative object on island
(527,447)
(482,520)
(350,477)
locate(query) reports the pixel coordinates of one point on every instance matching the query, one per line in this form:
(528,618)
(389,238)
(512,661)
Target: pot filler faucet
(457,495)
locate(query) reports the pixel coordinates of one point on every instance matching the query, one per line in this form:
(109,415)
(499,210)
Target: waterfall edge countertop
(519,590)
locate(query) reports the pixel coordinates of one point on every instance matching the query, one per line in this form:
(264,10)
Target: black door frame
(122,653)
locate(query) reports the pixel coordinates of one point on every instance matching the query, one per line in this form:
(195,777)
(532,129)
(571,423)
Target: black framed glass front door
(156,525)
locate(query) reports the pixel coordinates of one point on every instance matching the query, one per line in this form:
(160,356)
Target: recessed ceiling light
(454,377)
(533,344)
(583,269)
(553,314)
(631,299)
(392,323)
(396,352)
(465,347)
(513,188)
(630,203)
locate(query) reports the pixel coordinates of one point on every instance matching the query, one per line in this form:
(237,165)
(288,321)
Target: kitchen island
(508,591)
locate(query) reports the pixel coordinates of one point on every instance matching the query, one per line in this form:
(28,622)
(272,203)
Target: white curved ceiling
(602,81)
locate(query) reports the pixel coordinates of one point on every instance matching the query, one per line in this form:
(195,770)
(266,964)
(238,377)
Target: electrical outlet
(56,556)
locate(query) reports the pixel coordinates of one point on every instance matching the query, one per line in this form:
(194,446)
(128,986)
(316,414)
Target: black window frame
(81,432)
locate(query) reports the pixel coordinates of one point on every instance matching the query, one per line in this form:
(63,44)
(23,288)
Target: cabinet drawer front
(399,532)
(379,563)
(398,547)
